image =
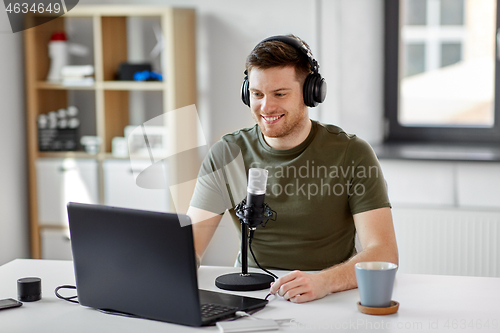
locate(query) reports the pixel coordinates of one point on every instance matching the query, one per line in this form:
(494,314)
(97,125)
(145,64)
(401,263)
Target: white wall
(352,51)
(13,172)
(345,36)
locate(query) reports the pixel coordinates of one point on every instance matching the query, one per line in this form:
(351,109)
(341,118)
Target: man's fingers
(282,280)
(295,291)
(302,298)
(297,282)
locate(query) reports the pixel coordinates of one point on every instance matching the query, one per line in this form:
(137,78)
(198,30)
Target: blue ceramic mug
(375,282)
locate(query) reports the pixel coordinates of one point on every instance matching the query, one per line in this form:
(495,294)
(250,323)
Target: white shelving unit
(109,111)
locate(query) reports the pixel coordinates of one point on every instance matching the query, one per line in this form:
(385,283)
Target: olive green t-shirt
(315,188)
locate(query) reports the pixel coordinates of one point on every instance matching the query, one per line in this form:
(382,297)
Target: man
(325,185)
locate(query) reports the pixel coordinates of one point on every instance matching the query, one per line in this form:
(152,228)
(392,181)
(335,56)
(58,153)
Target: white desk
(427,302)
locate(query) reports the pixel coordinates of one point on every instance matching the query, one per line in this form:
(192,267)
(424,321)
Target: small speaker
(29,289)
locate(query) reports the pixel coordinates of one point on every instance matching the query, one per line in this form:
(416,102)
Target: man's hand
(300,287)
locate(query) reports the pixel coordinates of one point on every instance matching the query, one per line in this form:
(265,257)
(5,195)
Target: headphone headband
(298,45)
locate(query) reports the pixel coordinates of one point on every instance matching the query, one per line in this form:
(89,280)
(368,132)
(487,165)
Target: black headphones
(314,87)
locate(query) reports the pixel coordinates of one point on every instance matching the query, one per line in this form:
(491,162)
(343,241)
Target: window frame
(394,131)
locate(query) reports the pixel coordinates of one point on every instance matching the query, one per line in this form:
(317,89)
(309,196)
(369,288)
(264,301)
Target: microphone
(252,212)
(254,207)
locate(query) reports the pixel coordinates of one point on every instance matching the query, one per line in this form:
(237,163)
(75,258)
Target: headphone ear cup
(245,93)
(314,90)
(308,91)
(320,89)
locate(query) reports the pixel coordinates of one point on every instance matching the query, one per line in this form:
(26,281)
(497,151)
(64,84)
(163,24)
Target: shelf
(122,10)
(110,156)
(132,85)
(81,154)
(65,154)
(102,156)
(57,86)
(107,85)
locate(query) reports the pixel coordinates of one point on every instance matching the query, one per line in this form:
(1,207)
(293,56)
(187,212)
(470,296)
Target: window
(440,71)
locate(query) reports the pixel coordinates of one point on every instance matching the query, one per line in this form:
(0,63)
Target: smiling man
(325,184)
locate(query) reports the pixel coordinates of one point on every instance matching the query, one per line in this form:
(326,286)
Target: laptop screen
(137,262)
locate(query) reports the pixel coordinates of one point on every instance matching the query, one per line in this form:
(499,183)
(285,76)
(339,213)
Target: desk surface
(427,302)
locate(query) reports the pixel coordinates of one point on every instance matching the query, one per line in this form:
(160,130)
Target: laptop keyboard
(210,310)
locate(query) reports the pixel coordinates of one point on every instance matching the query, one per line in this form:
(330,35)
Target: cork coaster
(379,311)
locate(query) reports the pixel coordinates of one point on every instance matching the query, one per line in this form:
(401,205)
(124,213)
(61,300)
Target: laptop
(143,264)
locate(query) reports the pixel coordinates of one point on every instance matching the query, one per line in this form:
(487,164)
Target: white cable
(244,314)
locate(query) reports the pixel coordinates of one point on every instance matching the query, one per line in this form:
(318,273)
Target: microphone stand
(246,281)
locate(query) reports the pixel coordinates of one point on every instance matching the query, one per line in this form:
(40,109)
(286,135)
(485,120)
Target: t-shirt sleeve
(221,182)
(368,189)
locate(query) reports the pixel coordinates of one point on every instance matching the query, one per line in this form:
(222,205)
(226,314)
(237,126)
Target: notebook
(143,263)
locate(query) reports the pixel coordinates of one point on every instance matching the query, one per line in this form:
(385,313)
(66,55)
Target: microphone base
(239,282)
